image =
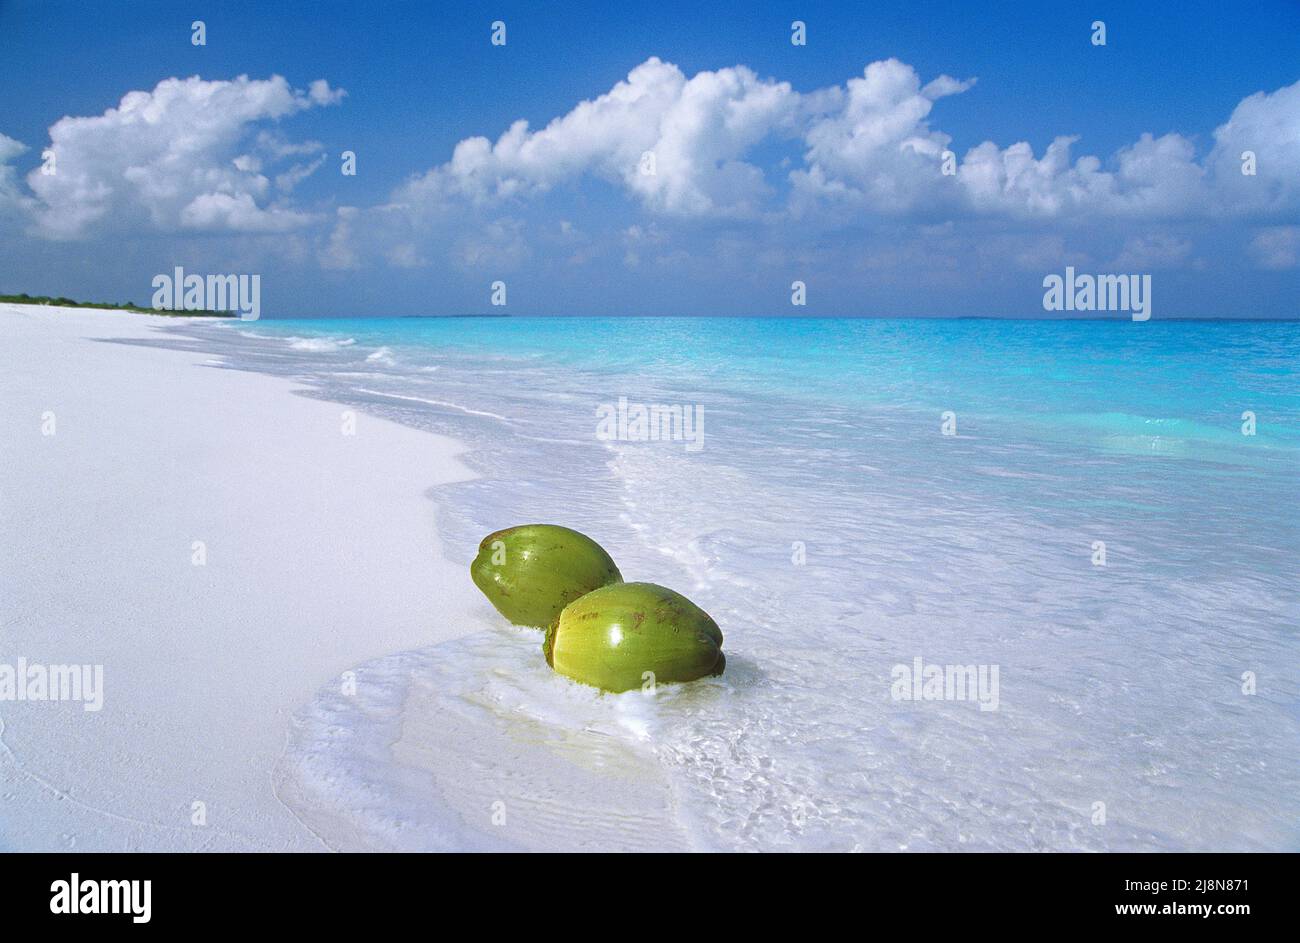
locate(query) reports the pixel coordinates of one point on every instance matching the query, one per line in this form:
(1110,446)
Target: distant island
(25,299)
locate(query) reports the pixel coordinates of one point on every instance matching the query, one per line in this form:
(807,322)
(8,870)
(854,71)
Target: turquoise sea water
(835,532)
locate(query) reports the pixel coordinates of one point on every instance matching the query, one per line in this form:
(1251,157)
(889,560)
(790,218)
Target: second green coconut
(624,635)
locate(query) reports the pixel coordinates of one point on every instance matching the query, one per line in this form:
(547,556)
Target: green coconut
(531,572)
(611,637)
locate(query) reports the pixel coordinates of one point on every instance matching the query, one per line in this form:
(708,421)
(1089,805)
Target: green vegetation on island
(25,299)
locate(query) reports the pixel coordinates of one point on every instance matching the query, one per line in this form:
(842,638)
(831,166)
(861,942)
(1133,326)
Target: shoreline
(113,435)
(458,737)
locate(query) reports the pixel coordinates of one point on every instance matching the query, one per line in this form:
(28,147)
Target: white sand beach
(306,531)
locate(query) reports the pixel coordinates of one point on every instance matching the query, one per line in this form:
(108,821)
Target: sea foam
(835,532)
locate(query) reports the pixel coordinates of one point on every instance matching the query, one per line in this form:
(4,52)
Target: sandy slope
(321,553)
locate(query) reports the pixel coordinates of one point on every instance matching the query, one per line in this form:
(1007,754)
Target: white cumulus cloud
(171,157)
(1277,247)
(746,157)
(873,145)
(1267,126)
(11,199)
(674,143)
(868,147)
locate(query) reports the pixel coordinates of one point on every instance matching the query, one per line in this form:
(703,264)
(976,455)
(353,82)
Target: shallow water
(834,532)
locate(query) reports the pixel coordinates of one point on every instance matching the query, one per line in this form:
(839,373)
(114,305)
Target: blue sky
(773,165)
